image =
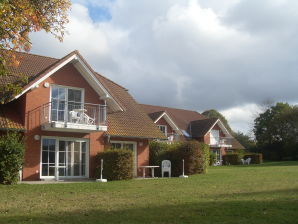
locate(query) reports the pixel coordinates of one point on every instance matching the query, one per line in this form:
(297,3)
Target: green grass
(233,194)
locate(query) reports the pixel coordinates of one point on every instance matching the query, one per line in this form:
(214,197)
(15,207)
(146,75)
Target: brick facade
(30,105)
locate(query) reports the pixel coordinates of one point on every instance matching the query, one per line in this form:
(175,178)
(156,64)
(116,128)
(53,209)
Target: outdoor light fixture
(36,137)
(46,85)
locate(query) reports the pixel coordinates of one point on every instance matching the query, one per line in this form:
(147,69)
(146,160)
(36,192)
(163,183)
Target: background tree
(19,18)
(276,132)
(248,143)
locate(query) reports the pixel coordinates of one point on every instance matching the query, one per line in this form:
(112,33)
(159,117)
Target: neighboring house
(68,113)
(179,124)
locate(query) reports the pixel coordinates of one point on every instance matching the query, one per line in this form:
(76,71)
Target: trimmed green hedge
(195,155)
(256,158)
(118,164)
(231,159)
(11,157)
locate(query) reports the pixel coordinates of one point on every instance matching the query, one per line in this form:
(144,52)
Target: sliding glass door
(70,157)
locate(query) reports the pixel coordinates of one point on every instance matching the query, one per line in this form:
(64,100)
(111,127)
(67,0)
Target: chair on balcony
(88,120)
(166,167)
(74,116)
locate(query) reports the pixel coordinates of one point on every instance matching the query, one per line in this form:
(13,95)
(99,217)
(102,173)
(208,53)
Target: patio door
(70,157)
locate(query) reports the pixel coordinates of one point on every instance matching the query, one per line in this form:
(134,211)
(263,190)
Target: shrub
(256,158)
(159,151)
(206,154)
(195,155)
(118,164)
(231,159)
(11,157)
(212,158)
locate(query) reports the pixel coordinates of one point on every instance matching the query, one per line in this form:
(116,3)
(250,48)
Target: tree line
(275,132)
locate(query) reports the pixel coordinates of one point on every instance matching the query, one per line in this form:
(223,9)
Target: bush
(206,154)
(231,159)
(256,158)
(159,151)
(195,155)
(118,164)
(212,158)
(11,157)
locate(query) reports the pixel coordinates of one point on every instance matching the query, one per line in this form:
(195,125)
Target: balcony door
(214,137)
(70,157)
(63,100)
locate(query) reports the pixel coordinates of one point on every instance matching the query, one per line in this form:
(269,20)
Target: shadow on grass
(263,212)
(268,164)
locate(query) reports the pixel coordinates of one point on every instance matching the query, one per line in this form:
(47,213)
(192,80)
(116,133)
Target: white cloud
(241,118)
(195,54)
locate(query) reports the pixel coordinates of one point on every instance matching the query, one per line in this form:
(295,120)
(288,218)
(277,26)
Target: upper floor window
(163,128)
(64,99)
(214,137)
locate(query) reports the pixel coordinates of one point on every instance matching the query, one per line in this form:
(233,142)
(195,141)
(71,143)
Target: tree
(245,140)
(215,114)
(276,131)
(19,18)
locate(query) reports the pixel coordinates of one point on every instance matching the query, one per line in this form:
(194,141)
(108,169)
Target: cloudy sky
(230,55)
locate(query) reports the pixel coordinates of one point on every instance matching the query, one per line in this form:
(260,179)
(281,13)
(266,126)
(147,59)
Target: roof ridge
(169,108)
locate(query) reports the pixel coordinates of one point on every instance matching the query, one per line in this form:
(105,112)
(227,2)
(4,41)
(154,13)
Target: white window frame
(66,96)
(57,151)
(216,138)
(165,127)
(135,152)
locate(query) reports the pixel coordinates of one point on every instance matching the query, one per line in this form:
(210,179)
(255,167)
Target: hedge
(195,155)
(118,164)
(11,157)
(256,158)
(231,159)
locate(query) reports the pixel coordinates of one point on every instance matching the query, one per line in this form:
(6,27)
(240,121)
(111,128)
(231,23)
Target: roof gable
(48,66)
(180,117)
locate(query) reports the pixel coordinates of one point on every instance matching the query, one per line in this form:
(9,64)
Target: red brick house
(179,124)
(68,113)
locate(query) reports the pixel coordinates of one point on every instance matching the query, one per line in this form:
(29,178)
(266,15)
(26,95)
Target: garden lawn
(231,194)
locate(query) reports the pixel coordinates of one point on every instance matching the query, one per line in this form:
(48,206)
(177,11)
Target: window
(163,128)
(214,137)
(64,99)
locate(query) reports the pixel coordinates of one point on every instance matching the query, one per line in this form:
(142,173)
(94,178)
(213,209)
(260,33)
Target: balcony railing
(73,115)
(221,141)
(172,137)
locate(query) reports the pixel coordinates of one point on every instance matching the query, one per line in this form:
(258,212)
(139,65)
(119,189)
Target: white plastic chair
(166,167)
(74,116)
(248,160)
(88,119)
(243,161)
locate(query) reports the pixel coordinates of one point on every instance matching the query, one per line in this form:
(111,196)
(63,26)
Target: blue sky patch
(99,14)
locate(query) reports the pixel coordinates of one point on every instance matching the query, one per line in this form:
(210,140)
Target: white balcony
(73,117)
(220,142)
